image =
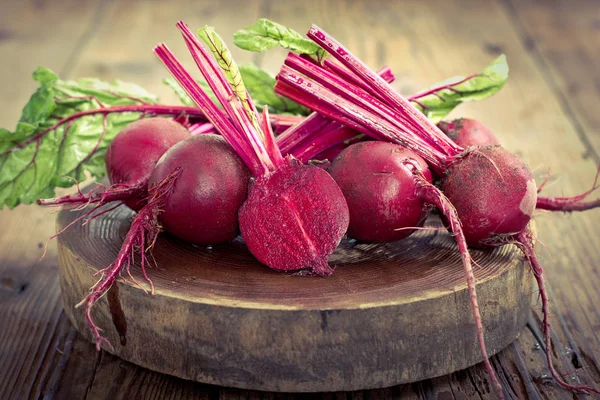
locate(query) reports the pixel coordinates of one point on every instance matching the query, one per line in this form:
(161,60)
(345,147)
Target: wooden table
(547,113)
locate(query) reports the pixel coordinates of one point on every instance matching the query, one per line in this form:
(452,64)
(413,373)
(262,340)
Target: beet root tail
(100,195)
(140,237)
(432,195)
(568,204)
(321,268)
(525,241)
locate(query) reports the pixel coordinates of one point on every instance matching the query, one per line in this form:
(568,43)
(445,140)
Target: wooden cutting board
(391,313)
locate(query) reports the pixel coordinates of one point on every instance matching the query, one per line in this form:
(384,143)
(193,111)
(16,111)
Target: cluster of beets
(208,188)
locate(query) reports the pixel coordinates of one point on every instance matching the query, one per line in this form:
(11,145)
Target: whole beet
(494,194)
(213,184)
(380,189)
(133,153)
(468,132)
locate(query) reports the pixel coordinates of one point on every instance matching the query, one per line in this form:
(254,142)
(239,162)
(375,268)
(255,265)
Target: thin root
(526,240)
(144,229)
(422,228)
(99,196)
(568,204)
(544,182)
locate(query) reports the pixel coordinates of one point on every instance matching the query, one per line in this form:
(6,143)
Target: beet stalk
(317,133)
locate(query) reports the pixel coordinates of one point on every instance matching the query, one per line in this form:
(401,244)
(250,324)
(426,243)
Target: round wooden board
(391,313)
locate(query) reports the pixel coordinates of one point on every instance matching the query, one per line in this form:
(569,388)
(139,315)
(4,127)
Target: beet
(294,218)
(380,190)
(467,132)
(485,178)
(133,153)
(203,207)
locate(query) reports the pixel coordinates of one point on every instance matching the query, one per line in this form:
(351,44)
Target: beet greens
(65,130)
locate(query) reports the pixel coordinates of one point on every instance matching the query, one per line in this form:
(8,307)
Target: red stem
(311,94)
(306,151)
(212,74)
(437,89)
(354,94)
(269,136)
(246,136)
(216,116)
(385,73)
(311,126)
(422,125)
(315,128)
(202,128)
(281,123)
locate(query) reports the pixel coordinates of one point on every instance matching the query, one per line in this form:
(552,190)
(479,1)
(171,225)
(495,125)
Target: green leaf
(45,77)
(439,101)
(43,153)
(266,34)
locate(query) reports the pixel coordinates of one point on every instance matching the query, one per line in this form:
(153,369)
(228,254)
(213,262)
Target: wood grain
(30,310)
(423,42)
(391,313)
(565,45)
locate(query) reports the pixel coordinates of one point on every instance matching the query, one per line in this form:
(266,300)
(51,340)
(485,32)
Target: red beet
(468,132)
(380,190)
(485,178)
(133,153)
(294,218)
(213,184)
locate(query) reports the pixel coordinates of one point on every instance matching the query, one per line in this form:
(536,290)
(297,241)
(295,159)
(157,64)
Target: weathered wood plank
(563,37)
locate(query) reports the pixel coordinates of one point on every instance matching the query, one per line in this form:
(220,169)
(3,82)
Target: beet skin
(134,152)
(467,132)
(294,218)
(380,189)
(494,194)
(213,184)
